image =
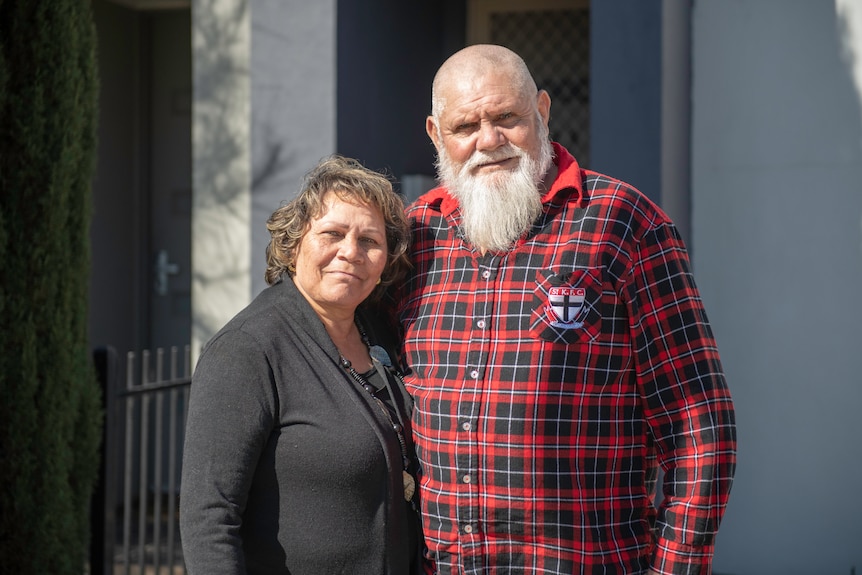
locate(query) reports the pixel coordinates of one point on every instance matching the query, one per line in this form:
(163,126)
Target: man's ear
(433,133)
(543,101)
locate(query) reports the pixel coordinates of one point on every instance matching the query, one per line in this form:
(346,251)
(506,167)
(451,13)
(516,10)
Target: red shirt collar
(568,175)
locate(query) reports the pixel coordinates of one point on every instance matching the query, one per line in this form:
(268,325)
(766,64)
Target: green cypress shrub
(50,414)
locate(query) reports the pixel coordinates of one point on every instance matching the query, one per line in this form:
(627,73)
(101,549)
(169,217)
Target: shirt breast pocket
(567,306)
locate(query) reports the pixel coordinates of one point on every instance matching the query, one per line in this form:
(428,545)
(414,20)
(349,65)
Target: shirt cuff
(672,558)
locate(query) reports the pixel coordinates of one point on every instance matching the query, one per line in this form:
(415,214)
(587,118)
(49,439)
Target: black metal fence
(135,508)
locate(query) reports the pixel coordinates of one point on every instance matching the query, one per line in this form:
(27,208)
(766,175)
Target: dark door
(170,174)
(140,231)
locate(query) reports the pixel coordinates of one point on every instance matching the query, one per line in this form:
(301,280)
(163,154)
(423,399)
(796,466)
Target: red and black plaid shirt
(552,379)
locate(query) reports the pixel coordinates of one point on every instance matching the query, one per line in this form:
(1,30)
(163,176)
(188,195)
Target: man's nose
(490,137)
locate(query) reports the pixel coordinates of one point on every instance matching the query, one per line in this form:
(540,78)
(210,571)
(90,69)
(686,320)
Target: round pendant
(409,486)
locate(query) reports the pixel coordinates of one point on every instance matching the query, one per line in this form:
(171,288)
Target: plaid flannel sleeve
(686,401)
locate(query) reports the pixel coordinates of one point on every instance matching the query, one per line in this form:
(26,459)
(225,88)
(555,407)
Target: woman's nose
(350,249)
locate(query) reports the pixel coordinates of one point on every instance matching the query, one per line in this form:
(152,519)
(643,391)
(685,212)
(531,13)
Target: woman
(298,454)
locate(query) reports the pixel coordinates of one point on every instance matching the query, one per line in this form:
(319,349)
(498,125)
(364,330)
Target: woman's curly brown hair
(351,181)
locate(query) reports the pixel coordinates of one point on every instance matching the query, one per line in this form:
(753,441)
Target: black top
(289,466)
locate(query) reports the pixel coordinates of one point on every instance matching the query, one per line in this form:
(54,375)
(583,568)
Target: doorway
(141,227)
(169,142)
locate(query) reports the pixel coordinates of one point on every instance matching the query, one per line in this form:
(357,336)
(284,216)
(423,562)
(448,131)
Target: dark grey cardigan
(289,467)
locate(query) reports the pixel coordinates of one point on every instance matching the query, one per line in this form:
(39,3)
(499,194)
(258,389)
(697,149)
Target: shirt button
(466,479)
(486,274)
(474,374)
(466,426)
(468,529)
(480,324)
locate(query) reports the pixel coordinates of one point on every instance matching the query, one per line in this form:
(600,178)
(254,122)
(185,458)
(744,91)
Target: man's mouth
(496,164)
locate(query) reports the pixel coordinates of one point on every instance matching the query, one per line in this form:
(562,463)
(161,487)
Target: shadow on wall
(777,158)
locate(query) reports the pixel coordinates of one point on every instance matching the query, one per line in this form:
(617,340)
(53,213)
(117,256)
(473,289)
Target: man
(558,352)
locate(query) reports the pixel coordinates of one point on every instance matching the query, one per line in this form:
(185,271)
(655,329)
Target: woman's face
(341,257)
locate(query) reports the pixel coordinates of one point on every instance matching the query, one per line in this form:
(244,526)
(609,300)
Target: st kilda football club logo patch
(565,305)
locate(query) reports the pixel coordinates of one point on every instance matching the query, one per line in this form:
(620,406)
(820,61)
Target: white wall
(293,92)
(221,165)
(264,115)
(777,241)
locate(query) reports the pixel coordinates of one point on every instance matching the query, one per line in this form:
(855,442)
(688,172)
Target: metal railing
(145,418)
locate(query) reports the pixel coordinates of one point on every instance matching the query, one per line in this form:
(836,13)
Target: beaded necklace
(379,357)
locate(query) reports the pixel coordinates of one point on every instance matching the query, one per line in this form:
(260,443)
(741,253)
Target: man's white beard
(496,208)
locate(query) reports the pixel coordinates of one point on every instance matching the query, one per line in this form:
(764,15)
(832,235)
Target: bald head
(476,61)
(489,125)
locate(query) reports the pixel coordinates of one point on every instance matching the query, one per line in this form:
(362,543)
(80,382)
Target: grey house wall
(293,106)
(777,223)
(640,78)
(775,231)
(625,92)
